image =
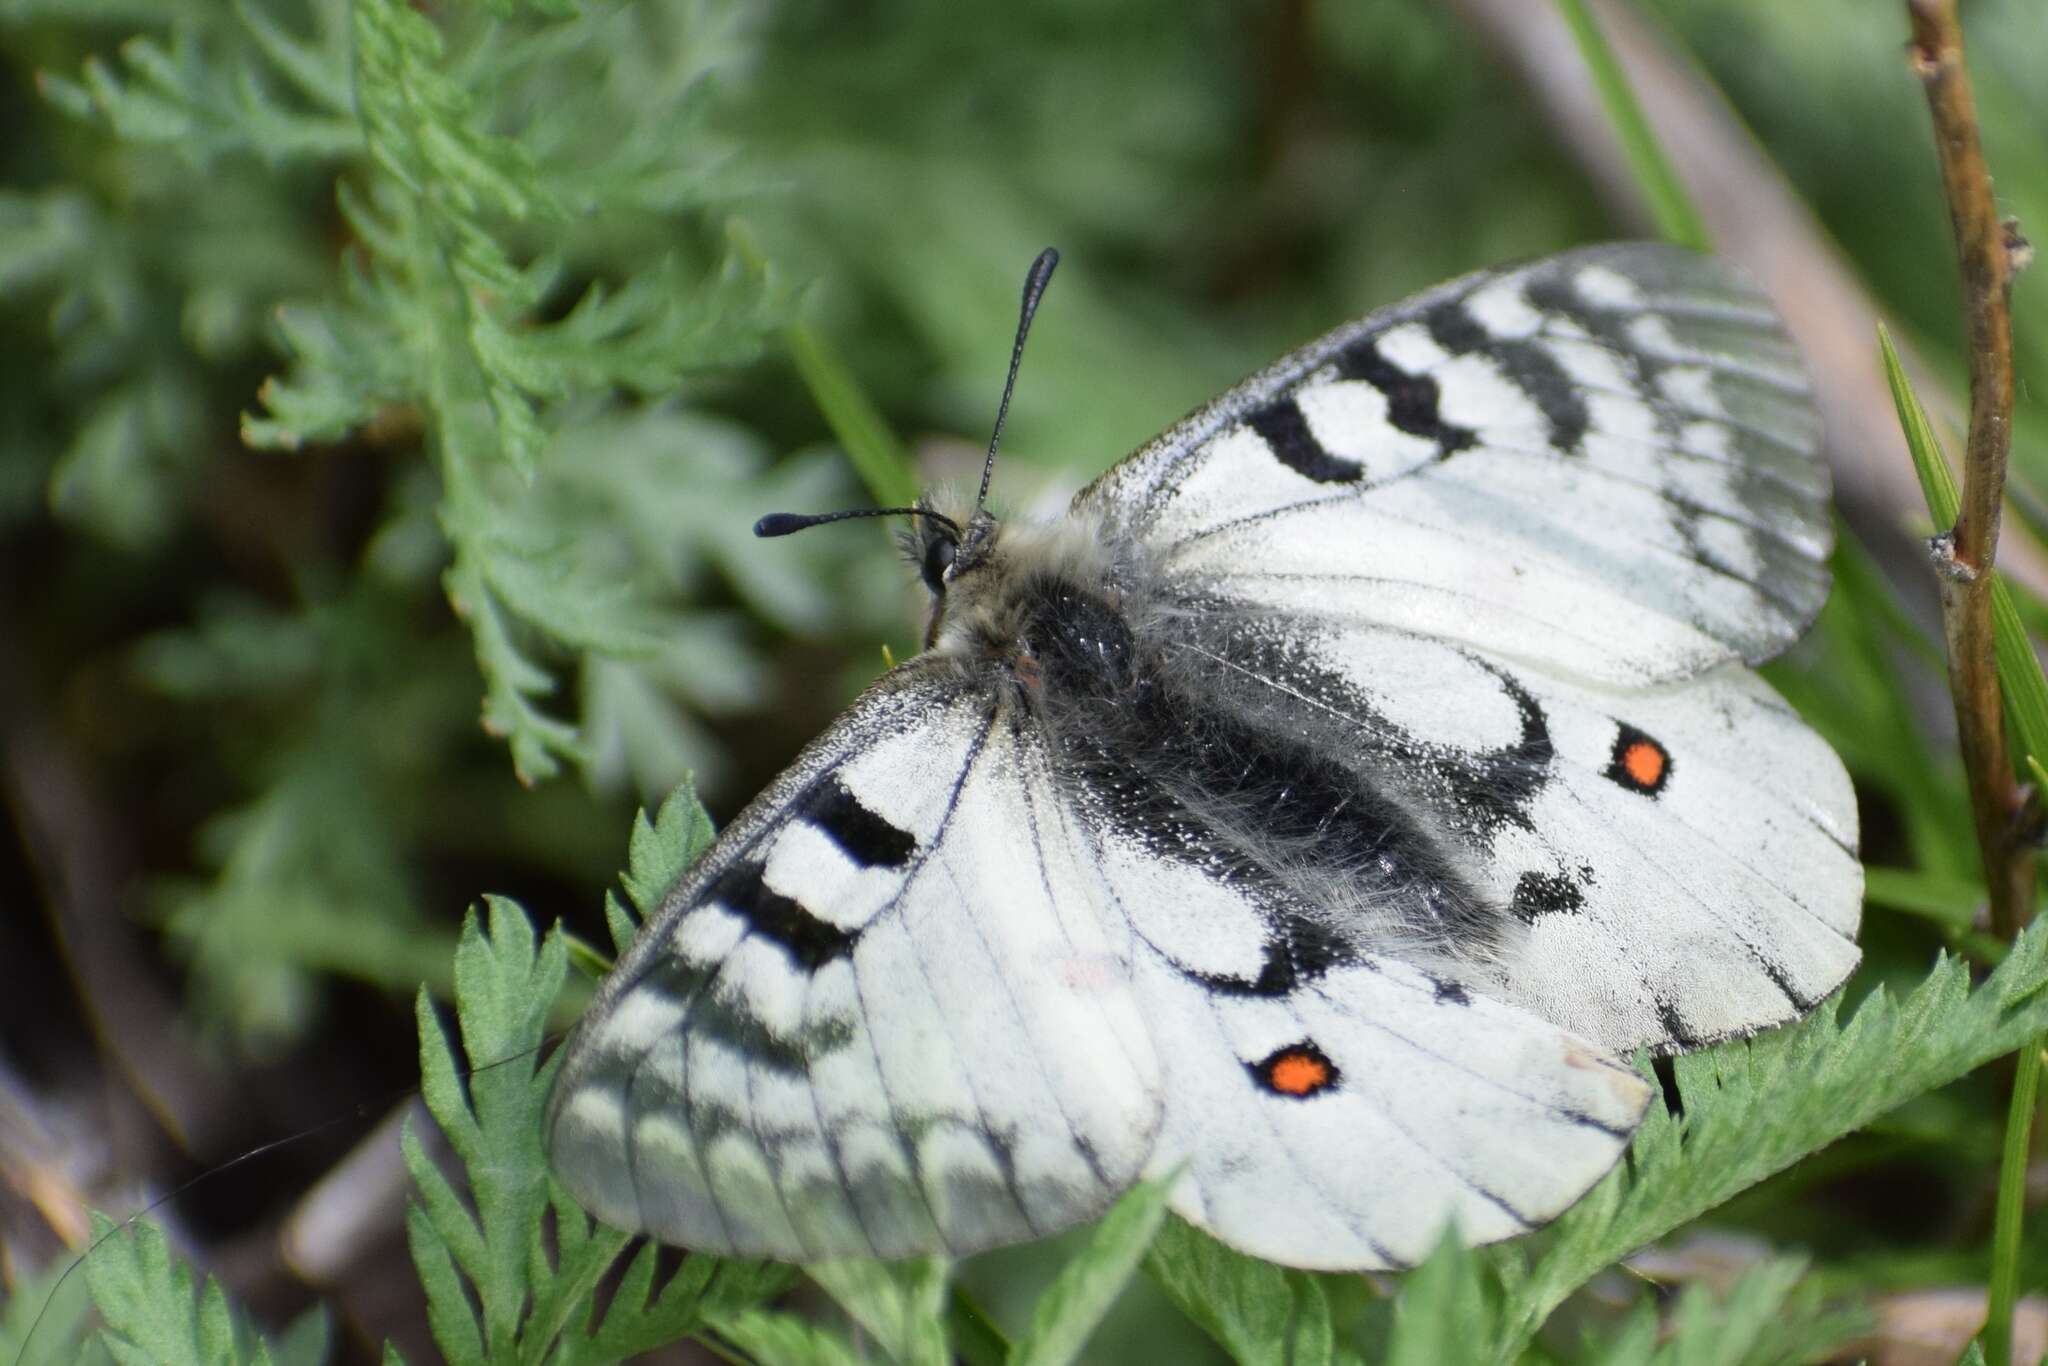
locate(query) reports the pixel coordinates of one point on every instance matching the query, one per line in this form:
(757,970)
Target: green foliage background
(374,369)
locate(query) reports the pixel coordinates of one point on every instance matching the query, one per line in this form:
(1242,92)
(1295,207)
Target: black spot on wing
(1541,894)
(810,942)
(868,838)
(1449,992)
(1412,400)
(1281,426)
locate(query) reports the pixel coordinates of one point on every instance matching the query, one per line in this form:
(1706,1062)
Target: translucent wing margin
(880,1018)
(1603,462)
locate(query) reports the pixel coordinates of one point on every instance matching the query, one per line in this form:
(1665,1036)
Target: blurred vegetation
(378,370)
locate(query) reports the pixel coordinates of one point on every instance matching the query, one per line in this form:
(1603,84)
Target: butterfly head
(942,547)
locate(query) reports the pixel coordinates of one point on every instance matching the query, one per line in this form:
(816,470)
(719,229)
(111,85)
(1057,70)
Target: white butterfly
(1323,808)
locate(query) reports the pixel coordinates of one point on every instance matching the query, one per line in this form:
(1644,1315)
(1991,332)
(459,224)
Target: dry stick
(1965,554)
(1965,557)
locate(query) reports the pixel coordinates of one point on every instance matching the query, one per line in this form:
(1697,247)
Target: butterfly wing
(881,1016)
(1336,1110)
(1601,463)
(1665,865)
(1507,547)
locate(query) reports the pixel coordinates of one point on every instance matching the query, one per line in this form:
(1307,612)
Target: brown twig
(1966,553)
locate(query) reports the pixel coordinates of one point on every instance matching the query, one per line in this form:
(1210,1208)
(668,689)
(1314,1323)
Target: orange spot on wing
(1298,1074)
(1645,763)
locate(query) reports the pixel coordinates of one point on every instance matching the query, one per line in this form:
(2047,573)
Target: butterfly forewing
(1602,463)
(881,1018)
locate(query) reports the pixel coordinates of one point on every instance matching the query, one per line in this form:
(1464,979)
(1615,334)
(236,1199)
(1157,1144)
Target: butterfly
(1321,812)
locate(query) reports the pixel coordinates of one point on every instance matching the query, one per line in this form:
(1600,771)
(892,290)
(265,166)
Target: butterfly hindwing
(881,1018)
(1691,874)
(1346,1123)
(1668,864)
(1602,462)
(1328,1107)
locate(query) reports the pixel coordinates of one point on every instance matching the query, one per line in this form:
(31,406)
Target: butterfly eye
(938,557)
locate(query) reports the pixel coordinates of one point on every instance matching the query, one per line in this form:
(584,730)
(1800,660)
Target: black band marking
(1297,950)
(1530,367)
(1412,400)
(810,942)
(868,838)
(1282,427)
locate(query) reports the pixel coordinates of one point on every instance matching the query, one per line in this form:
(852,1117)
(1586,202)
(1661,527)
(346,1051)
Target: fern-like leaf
(1754,1107)
(495,1291)
(153,1314)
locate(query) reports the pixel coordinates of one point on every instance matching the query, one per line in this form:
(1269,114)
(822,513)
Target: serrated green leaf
(1754,1107)
(1768,1317)
(620,923)
(899,1304)
(1246,1305)
(663,849)
(1069,1310)
(786,1340)
(150,1311)
(1442,1312)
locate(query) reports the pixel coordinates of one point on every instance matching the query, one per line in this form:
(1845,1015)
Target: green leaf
(43,1316)
(1246,1305)
(1754,1107)
(661,851)
(1442,1310)
(1677,218)
(1770,1316)
(883,464)
(1937,482)
(2019,668)
(150,1312)
(899,1304)
(786,1340)
(504,987)
(1952,903)
(1092,1279)
(2012,1200)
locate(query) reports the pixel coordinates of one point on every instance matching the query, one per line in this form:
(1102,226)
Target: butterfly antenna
(1034,287)
(786,523)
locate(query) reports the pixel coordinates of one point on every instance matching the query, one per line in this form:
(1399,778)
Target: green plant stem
(1672,208)
(2012,1199)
